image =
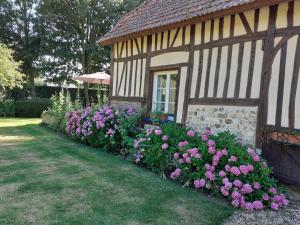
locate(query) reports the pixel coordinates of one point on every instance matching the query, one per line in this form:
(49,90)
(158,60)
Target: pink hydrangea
(224,191)
(256,185)
(204,137)
(235,203)
(248,206)
(176,155)
(182,144)
(237,183)
(250,168)
(191,133)
(273,190)
(207,166)
(244,169)
(256,158)
(185,155)
(158,132)
(228,185)
(246,189)
(199,183)
(258,205)
(208,132)
(211,150)
(165,138)
(149,131)
(225,180)
(175,174)
(165,146)
(251,151)
(224,152)
(227,168)
(233,158)
(274,206)
(266,197)
(210,175)
(236,195)
(188,160)
(222,173)
(198,156)
(211,143)
(235,171)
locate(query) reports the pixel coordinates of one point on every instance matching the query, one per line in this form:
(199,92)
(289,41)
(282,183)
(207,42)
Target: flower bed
(214,163)
(105,127)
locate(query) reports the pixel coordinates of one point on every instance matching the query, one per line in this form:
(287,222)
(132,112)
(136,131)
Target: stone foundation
(239,120)
(126,104)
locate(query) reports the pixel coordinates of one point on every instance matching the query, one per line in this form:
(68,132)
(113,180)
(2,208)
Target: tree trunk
(86,94)
(32,86)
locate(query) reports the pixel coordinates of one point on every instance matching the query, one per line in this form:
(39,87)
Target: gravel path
(289,215)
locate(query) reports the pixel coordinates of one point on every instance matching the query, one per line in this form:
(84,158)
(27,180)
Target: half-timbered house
(226,64)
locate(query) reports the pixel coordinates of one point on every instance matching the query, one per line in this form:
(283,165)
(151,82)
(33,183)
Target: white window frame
(155,89)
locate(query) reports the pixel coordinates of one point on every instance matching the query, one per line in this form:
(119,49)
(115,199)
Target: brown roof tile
(156,13)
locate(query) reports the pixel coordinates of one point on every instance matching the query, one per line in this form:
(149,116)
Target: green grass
(46,178)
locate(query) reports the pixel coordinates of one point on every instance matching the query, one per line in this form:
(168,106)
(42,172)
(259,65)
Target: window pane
(172,95)
(162,81)
(171,108)
(161,95)
(173,81)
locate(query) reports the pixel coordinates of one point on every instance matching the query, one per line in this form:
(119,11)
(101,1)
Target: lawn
(46,178)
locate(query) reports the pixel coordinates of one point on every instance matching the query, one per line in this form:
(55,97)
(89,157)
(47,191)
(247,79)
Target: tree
(72,30)
(20,30)
(10,75)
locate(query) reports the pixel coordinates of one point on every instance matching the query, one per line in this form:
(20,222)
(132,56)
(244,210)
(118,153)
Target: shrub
(31,108)
(54,121)
(214,163)
(7,108)
(106,127)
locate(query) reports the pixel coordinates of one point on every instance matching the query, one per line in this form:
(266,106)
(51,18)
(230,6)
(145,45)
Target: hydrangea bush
(105,127)
(213,163)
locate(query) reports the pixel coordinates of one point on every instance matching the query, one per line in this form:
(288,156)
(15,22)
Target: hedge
(31,108)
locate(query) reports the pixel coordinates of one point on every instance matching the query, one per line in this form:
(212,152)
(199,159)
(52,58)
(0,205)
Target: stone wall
(126,104)
(237,119)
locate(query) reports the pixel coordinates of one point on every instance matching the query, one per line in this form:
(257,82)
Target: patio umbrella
(95,78)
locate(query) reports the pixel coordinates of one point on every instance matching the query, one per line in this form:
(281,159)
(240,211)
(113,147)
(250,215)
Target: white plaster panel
(245,69)
(290,59)
(204,69)
(170,58)
(223,69)
(257,70)
(195,74)
(212,75)
(273,90)
(233,70)
(138,77)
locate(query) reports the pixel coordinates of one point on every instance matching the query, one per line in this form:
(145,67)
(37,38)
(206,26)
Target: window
(164,92)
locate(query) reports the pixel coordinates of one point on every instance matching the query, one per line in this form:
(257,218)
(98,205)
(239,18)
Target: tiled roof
(156,13)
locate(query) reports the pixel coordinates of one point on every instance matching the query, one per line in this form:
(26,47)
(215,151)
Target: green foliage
(32,108)
(7,108)
(106,127)
(10,75)
(54,121)
(210,158)
(21,29)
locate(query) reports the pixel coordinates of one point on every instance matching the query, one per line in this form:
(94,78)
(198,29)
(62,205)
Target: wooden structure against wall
(247,58)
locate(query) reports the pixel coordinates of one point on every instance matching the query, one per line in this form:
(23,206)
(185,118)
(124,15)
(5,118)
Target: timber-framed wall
(248,59)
